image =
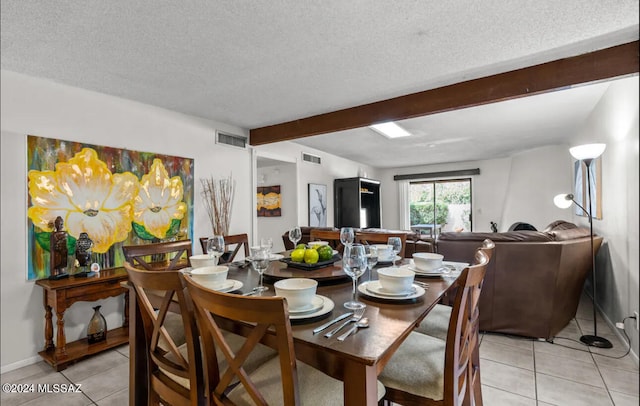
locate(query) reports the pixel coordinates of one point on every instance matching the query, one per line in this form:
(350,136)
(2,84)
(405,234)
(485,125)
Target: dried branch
(218,200)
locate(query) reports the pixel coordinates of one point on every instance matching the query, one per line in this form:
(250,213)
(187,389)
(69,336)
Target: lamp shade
(563,201)
(587,151)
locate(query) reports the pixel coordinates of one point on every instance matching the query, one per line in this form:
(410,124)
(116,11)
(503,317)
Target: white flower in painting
(87,196)
(159,200)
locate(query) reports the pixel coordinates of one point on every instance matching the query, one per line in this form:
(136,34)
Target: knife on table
(332,322)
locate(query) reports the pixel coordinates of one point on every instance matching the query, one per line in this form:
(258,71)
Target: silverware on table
(332,322)
(364,323)
(357,315)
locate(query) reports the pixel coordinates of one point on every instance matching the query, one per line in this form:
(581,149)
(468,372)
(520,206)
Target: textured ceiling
(253,64)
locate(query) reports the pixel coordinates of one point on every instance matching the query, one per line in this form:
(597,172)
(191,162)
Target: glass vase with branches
(217,195)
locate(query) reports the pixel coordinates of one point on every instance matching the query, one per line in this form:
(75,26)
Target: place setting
(302,301)
(394,284)
(213,277)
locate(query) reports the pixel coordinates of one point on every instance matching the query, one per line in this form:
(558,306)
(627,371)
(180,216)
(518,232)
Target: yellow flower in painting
(88,197)
(159,200)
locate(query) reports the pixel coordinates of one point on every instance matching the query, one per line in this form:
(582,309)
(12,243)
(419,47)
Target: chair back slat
(262,316)
(367,238)
(462,337)
(167,256)
(241,241)
(331,236)
(165,361)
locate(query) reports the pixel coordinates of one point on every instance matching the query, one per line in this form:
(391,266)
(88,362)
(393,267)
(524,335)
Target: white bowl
(312,244)
(299,292)
(396,280)
(198,261)
(210,274)
(385,252)
(427,261)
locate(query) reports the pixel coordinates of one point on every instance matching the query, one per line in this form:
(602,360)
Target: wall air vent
(314,159)
(239,141)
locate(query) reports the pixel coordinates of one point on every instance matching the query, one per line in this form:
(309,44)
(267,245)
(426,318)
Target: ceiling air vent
(314,159)
(239,141)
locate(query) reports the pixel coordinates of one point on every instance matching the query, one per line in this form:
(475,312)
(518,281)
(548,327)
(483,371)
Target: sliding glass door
(440,206)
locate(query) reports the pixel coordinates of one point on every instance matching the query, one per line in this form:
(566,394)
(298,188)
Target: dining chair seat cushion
(260,354)
(436,324)
(417,367)
(315,386)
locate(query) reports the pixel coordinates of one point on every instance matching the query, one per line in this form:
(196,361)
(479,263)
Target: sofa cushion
(570,234)
(559,225)
(510,236)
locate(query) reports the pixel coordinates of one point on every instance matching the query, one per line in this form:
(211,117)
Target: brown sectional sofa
(534,280)
(415,242)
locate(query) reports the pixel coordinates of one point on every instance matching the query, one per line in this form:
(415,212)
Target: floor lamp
(586,154)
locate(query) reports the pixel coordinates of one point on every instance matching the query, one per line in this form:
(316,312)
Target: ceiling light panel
(390,130)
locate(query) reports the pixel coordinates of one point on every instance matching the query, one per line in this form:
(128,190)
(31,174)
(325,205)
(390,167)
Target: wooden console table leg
(61,339)
(126,310)
(48,328)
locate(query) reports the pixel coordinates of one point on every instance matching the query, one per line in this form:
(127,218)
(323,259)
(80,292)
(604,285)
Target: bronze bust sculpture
(58,251)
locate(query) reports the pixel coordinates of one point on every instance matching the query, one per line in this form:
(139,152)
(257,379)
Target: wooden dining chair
(436,324)
(174,371)
(367,238)
(428,371)
(331,236)
(280,381)
(165,256)
(239,241)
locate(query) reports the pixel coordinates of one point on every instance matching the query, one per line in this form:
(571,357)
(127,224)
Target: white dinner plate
(316,303)
(327,306)
(397,258)
(435,272)
(419,291)
(272,257)
(376,288)
(228,285)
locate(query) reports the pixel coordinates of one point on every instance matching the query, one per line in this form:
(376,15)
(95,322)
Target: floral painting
(269,201)
(117,196)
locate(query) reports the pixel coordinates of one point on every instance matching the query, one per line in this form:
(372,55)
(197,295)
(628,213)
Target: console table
(59,295)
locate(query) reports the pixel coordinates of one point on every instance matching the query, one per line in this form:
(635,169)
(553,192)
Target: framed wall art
(269,201)
(116,196)
(317,205)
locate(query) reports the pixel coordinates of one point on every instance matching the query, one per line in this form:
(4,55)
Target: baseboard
(20,364)
(617,333)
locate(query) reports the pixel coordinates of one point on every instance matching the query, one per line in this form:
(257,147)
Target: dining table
(358,360)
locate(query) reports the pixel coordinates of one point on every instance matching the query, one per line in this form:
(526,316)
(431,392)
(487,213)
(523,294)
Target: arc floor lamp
(586,154)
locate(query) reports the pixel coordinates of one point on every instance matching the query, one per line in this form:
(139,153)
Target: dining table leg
(360,384)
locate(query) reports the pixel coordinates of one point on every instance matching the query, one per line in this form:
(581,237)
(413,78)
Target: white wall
(43,108)
(520,188)
(614,121)
(332,167)
(273,227)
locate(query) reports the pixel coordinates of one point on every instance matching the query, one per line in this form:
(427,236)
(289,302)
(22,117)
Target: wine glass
(260,261)
(354,264)
(295,235)
(396,247)
(371,252)
(267,243)
(215,247)
(346,236)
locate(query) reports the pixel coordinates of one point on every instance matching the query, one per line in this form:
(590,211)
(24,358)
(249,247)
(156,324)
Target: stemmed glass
(396,247)
(215,247)
(295,235)
(354,263)
(260,262)
(346,236)
(267,243)
(372,257)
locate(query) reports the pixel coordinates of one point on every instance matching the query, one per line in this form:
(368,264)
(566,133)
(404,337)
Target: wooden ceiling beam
(598,65)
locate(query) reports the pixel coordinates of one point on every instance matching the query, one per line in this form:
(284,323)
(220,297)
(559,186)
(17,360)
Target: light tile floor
(515,371)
